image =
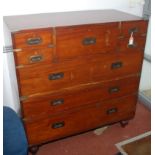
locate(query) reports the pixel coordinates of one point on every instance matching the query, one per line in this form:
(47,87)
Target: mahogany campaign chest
(80,72)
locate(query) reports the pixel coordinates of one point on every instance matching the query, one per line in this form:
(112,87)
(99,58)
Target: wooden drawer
(58,102)
(79,120)
(139,28)
(83,40)
(33,38)
(34,56)
(139,45)
(41,79)
(119,65)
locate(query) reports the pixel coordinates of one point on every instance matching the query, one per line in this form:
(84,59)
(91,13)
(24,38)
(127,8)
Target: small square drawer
(32,38)
(80,120)
(139,28)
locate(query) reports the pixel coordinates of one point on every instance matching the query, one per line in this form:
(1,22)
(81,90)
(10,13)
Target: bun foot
(33,149)
(124,123)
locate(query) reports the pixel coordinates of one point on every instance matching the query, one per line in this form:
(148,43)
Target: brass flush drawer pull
(34,41)
(58,125)
(114,90)
(89,41)
(57,102)
(36,58)
(134,30)
(56,76)
(111,111)
(116,65)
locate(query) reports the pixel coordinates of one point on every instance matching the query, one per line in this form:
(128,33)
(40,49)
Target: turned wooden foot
(124,123)
(34,149)
(119,153)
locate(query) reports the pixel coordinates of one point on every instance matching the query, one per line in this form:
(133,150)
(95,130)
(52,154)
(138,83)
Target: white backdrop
(32,6)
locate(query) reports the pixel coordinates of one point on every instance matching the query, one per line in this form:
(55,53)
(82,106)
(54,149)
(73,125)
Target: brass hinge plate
(19,66)
(23,98)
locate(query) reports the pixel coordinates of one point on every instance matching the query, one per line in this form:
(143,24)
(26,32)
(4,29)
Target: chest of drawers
(78,75)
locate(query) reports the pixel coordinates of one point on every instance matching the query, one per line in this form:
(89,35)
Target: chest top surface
(21,22)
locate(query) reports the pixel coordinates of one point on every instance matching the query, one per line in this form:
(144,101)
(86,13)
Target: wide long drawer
(53,103)
(79,120)
(40,79)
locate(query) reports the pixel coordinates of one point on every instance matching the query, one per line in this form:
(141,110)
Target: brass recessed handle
(56,76)
(89,41)
(116,65)
(57,102)
(36,58)
(133,29)
(114,90)
(34,41)
(111,111)
(58,125)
